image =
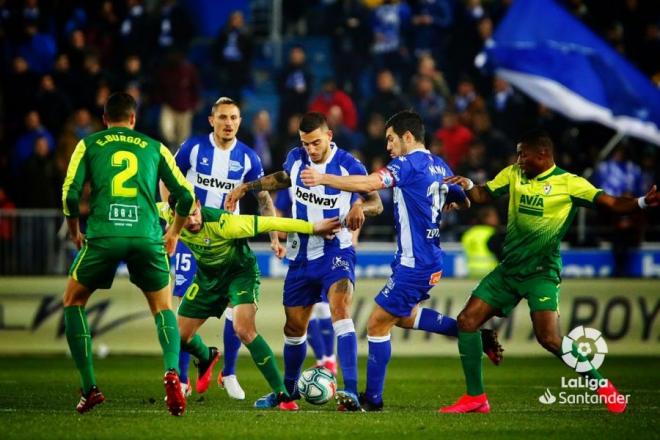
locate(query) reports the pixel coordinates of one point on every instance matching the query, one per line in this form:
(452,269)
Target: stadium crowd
(62,59)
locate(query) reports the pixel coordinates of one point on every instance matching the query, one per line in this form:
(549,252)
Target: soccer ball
(317,385)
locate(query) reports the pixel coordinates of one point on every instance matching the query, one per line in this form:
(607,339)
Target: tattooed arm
(270,182)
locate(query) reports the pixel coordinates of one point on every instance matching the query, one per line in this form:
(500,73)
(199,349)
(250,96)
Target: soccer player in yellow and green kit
(227,273)
(123,168)
(543,200)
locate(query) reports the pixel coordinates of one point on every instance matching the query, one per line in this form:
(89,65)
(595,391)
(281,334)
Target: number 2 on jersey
(130,160)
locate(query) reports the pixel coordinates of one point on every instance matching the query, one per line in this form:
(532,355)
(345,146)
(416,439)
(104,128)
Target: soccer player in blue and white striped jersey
(318,264)
(420,195)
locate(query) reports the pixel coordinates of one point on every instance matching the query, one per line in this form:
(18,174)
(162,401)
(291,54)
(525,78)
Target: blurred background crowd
(356,61)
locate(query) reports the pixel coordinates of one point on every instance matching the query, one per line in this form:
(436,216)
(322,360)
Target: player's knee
(294,329)
(246,333)
(466,322)
(549,341)
(340,310)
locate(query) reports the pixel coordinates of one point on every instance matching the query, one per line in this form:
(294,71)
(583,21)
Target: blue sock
(431,321)
(295,350)
(328,336)
(184,363)
(347,353)
(315,339)
(231,344)
(380,351)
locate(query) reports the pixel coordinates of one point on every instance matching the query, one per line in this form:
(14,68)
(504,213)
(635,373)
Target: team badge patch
(547,188)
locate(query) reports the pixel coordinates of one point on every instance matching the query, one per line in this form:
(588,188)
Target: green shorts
(96,263)
(505,292)
(207,296)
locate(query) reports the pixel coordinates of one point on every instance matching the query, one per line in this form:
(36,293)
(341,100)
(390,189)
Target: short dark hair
(407,120)
(537,138)
(119,107)
(224,100)
(311,121)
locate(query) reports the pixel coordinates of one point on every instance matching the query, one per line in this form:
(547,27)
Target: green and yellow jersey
(220,247)
(540,211)
(123,167)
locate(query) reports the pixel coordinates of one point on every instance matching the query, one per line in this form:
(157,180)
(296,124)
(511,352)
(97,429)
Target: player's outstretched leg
(265,360)
(227,378)
(295,351)
(347,399)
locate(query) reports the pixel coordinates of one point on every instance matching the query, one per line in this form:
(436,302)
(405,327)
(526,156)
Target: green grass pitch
(38,398)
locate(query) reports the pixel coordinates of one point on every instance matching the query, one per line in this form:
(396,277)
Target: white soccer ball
(317,385)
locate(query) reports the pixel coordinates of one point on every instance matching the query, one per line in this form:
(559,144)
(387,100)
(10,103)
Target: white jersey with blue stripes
(419,196)
(214,172)
(319,202)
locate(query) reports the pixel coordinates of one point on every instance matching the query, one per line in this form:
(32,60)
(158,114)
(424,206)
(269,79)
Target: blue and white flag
(547,53)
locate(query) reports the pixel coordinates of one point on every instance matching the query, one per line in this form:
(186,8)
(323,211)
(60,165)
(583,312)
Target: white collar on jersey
(333,151)
(422,149)
(212,139)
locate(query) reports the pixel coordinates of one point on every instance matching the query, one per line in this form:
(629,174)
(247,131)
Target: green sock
(197,348)
(593,373)
(80,343)
(470,349)
(168,336)
(265,360)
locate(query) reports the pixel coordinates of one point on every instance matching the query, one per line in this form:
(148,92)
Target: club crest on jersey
(234,166)
(205,161)
(547,188)
(207,240)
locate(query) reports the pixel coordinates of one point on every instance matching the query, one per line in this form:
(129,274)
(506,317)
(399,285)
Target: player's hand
(453,206)
(278,249)
(463,182)
(78,240)
(170,239)
(234,196)
(355,217)
(310,177)
(327,227)
(651,197)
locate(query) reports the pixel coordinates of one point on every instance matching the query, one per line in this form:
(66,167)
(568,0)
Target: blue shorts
(185,267)
(307,282)
(406,288)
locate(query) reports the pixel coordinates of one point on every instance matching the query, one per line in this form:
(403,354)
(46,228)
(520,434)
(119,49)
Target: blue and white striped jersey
(419,195)
(319,202)
(215,172)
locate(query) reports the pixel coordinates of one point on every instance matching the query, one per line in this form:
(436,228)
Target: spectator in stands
(427,103)
(171,29)
(330,96)
(132,75)
(92,77)
(41,178)
(21,94)
(37,48)
(262,140)
(232,53)
(76,50)
(620,176)
(431,21)
(24,147)
(65,79)
(290,137)
(390,22)
(467,100)
(52,104)
(343,136)
(387,100)
(133,30)
(178,90)
(500,150)
(294,86)
(455,138)
(426,67)
(475,166)
(103,31)
(351,38)
(507,108)
(78,125)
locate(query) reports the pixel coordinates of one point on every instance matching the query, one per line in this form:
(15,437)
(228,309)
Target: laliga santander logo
(589,342)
